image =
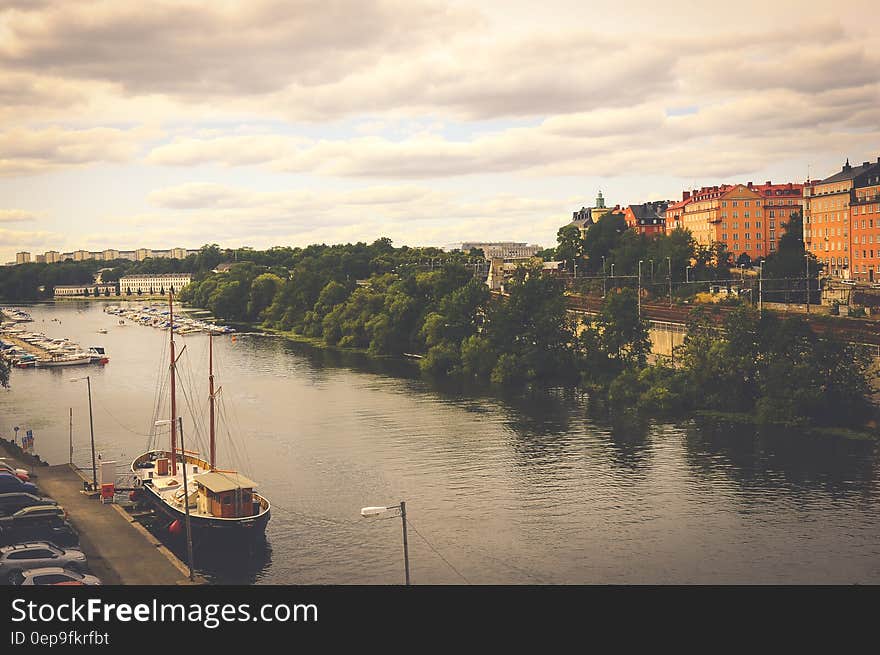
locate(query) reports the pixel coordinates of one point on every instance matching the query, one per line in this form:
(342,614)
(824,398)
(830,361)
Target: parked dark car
(39,527)
(38,554)
(10,503)
(21,474)
(33,513)
(8,483)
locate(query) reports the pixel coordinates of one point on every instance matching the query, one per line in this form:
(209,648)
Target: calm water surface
(526,488)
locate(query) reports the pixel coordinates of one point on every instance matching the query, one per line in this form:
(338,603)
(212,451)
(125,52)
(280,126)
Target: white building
(22,258)
(67,290)
(153,283)
(504,249)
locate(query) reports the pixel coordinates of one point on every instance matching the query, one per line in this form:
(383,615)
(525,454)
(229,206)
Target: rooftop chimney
(685,195)
(769,183)
(749,185)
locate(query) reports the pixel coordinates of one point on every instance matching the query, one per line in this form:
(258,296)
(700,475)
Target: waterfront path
(119,550)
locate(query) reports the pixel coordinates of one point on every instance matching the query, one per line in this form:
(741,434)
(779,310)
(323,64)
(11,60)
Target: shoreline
(743,418)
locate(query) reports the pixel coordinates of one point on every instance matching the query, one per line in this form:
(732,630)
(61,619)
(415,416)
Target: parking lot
(118,550)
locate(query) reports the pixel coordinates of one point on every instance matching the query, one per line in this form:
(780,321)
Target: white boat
(222,504)
(77,359)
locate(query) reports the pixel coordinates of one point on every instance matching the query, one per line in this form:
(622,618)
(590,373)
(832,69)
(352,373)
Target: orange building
(833,207)
(747,218)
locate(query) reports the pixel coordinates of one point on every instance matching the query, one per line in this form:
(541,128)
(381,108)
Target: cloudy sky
(289,122)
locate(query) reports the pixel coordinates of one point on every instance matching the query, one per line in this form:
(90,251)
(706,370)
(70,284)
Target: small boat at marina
(97,355)
(102,331)
(77,359)
(223,505)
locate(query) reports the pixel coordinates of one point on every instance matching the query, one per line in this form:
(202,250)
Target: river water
(521,488)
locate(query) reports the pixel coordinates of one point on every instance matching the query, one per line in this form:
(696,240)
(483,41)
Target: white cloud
(26,151)
(16,216)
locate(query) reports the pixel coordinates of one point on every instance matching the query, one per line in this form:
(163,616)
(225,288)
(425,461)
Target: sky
(261,123)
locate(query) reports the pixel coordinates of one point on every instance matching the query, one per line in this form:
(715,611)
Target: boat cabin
(226,495)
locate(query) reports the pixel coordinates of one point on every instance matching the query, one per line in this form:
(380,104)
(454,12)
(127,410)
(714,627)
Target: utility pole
(189,543)
(92,431)
(604,278)
(669,261)
(405,544)
(640,289)
(807,257)
(761,289)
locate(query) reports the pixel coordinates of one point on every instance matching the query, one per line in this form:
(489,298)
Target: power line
(437,552)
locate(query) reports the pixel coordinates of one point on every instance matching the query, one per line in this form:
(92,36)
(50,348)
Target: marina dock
(120,551)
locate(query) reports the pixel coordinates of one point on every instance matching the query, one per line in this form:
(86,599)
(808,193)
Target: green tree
(570,248)
(262,293)
(601,238)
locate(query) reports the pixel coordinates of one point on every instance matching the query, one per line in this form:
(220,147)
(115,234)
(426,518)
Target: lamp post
(367,512)
(652,269)
(91,429)
(742,272)
(189,545)
(640,288)
(669,261)
(687,274)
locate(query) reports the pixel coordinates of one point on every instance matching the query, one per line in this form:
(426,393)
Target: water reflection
(777,458)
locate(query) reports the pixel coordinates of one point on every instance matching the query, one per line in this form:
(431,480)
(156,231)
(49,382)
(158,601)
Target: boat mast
(211,393)
(173,392)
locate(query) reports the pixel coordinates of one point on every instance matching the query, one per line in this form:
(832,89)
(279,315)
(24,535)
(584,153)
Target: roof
(649,211)
(220,482)
(849,172)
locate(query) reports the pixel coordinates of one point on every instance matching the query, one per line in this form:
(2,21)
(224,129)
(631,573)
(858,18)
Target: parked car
(9,482)
(38,554)
(52,575)
(16,500)
(21,474)
(40,527)
(33,512)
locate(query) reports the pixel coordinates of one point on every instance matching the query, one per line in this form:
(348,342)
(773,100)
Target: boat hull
(79,361)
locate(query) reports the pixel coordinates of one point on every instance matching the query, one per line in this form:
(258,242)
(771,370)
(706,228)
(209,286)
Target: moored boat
(60,359)
(223,504)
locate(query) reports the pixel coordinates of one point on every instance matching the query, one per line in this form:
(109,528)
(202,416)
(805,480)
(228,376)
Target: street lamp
(669,261)
(687,274)
(368,512)
(91,430)
(189,545)
(742,272)
(652,269)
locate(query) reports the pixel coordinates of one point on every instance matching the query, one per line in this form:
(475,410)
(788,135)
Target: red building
(648,218)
